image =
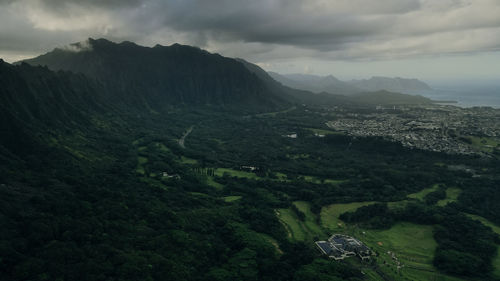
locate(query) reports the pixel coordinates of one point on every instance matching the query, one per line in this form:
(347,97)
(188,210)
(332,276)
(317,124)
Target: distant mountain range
(396,84)
(333,85)
(100,75)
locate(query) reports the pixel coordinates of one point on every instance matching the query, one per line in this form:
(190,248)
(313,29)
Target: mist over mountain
(330,84)
(316,84)
(380,90)
(396,84)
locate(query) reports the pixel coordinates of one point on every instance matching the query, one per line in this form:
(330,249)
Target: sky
(433,40)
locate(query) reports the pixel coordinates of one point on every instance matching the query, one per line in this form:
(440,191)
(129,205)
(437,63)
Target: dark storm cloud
(330,28)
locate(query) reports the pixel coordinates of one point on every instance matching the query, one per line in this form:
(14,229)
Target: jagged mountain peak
(162,75)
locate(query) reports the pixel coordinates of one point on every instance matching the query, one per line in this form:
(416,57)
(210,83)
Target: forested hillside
(112,172)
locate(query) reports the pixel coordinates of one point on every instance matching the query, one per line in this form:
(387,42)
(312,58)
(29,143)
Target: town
(439,128)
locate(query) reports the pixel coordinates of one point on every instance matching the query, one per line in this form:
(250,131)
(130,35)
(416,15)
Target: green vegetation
(421,194)
(213,183)
(140,165)
(273,114)
(330,214)
(187,160)
(452,194)
(95,184)
(298,229)
(483,143)
(322,181)
(232,198)
(412,245)
(220,172)
(496,229)
(486,222)
(311,220)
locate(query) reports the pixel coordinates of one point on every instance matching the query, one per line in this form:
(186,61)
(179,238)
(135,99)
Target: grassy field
(141,160)
(421,194)
(232,198)
(319,181)
(281,176)
(235,173)
(409,245)
(311,221)
(330,214)
(451,196)
(483,143)
(307,230)
(496,229)
(413,245)
(214,184)
(186,160)
(397,204)
(161,147)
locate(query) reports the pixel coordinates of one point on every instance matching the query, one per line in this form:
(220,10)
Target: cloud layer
(261,30)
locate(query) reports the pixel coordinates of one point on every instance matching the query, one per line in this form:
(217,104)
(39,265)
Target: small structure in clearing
(341,246)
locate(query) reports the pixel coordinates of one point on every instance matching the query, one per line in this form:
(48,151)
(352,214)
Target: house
(341,246)
(166,175)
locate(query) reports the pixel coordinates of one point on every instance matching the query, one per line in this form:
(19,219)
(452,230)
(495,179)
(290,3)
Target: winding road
(183,138)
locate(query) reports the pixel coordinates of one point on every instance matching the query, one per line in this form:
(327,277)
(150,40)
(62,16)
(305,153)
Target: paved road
(183,138)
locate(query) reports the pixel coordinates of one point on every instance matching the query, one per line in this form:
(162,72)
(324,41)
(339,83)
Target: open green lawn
(186,160)
(162,147)
(413,246)
(451,196)
(291,223)
(281,176)
(213,183)
(496,229)
(421,194)
(330,214)
(397,204)
(483,143)
(412,242)
(307,230)
(141,160)
(311,221)
(486,222)
(235,173)
(316,180)
(232,198)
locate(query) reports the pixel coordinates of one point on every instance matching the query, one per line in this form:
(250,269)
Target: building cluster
(340,246)
(433,128)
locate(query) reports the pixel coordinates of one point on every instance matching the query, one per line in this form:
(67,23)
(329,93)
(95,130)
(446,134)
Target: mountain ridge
(162,75)
(331,84)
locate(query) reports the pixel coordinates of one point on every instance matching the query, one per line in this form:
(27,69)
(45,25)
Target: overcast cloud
(269,32)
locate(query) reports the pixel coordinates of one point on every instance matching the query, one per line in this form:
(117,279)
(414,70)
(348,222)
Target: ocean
(466,95)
